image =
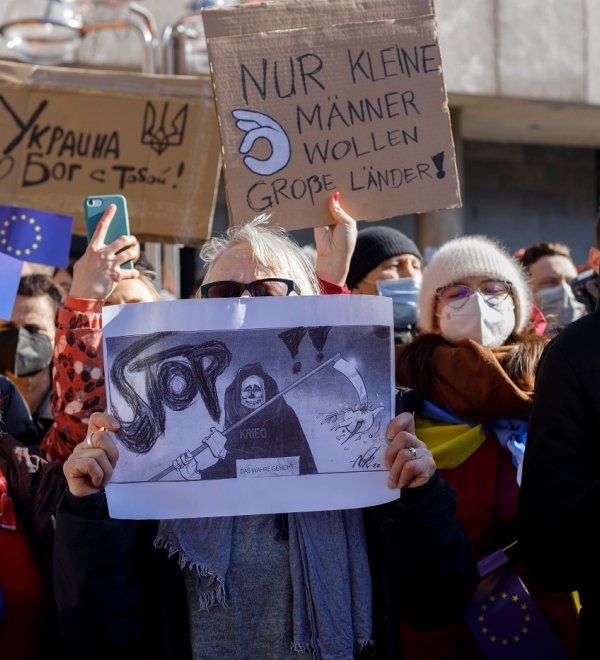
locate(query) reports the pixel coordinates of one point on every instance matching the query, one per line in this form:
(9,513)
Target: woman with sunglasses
(474,369)
(308,585)
(99,279)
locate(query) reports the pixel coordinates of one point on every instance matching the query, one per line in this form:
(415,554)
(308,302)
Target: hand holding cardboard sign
(335,244)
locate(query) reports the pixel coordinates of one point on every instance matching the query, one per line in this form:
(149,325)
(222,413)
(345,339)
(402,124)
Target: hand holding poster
(318,96)
(225,397)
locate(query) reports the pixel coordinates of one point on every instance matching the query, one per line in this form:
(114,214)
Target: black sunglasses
(270,286)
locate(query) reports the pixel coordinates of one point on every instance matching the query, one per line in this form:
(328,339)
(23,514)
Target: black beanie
(374,245)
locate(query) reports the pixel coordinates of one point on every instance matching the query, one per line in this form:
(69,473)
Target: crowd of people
(487,453)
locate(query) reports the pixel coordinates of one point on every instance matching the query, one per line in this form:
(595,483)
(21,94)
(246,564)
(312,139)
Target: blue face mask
(404,293)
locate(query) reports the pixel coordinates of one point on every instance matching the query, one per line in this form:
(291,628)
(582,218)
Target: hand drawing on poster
(257,126)
(200,410)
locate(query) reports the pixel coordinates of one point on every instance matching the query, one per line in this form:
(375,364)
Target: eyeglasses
(456,295)
(269,286)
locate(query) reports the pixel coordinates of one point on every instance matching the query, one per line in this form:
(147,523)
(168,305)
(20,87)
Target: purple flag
(504,619)
(37,236)
(10,274)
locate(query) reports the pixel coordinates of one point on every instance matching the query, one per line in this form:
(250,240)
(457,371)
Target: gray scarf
(331,580)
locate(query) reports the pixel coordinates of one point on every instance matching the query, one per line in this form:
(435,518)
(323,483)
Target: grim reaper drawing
(271,431)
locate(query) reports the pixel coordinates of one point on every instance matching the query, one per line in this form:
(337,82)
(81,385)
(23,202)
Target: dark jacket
(471,381)
(559,502)
(35,488)
(119,597)
(16,417)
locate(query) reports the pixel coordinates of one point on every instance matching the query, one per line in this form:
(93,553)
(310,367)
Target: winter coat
(559,502)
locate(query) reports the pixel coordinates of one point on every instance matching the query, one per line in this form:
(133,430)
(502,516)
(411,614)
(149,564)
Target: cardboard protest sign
(322,95)
(68,133)
(248,406)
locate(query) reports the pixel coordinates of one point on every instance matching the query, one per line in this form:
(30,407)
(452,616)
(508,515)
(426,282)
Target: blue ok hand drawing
(257,125)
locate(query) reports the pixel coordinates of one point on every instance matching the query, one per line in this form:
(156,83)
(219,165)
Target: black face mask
(23,352)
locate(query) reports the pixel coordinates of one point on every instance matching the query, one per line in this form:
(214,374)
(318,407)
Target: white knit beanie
(473,256)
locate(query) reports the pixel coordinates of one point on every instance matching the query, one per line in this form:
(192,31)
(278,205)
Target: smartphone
(94,207)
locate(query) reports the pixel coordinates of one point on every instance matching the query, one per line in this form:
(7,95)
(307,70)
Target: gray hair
(273,250)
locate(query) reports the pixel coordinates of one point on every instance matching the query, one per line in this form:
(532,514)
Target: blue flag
(10,274)
(37,236)
(504,619)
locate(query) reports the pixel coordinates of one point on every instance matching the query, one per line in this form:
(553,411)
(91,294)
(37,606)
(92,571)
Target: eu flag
(504,619)
(10,275)
(37,236)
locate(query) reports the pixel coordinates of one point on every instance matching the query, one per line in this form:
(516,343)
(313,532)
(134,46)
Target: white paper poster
(249,405)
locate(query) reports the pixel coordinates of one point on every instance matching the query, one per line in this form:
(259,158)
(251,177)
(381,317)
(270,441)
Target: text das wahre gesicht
(302,76)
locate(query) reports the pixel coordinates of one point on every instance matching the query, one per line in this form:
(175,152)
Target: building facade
(523,82)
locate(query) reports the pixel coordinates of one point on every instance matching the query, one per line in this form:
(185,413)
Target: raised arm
(78,367)
(335,244)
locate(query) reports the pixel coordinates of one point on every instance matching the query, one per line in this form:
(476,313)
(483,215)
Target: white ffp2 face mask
(488,325)
(559,305)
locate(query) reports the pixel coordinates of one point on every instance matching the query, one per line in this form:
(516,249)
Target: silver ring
(90,440)
(413,453)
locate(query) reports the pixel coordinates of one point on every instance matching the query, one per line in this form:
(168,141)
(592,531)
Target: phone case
(94,207)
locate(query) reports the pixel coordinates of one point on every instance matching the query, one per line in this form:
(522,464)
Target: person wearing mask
(26,345)
(560,493)
(474,368)
(552,270)
(387,262)
(404,559)
(586,285)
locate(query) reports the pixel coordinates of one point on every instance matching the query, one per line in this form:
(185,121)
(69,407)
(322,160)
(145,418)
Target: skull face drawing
(253,392)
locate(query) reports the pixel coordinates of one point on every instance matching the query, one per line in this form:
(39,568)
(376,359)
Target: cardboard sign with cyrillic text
(68,133)
(317,96)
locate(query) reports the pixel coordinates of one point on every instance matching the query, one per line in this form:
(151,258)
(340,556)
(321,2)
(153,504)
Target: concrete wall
(544,50)
(522,194)
(535,49)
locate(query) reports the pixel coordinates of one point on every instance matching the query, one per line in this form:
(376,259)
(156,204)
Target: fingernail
(336,196)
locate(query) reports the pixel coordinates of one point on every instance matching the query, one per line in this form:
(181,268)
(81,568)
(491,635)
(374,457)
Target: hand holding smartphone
(94,208)
(111,250)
